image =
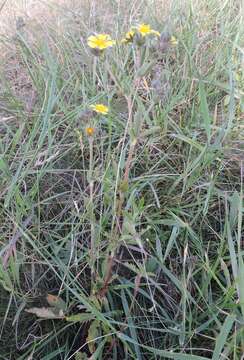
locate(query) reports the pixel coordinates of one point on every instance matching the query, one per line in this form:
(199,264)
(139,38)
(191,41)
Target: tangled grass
(122,183)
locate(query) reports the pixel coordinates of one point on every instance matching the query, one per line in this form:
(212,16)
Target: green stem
(94,72)
(91,204)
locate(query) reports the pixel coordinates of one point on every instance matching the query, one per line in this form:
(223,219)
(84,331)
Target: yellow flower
(100,41)
(90,131)
(145,29)
(173,41)
(128,37)
(100,108)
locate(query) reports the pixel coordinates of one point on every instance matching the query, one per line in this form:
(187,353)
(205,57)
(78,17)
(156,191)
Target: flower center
(145,29)
(100,42)
(100,108)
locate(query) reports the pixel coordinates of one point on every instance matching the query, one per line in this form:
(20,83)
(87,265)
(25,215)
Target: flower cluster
(98,43)
(141,30)
(99,109)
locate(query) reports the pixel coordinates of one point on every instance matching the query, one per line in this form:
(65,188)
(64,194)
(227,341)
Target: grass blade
(222,337)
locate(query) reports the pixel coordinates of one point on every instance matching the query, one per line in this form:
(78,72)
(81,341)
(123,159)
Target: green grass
(137,230)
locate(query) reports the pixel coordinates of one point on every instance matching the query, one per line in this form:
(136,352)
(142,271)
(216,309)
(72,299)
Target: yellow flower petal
(128,36)
(100,41)
(154,32)
(111,43)
(173,41)
(92,42)
(145,29)
(100,108)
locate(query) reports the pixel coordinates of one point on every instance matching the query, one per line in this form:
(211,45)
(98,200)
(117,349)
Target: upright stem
(119,202)
(91,204)
(94,72)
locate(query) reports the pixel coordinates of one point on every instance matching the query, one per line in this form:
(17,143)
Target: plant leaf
(81,356)
(222,337)
(56,301)
(163,354)
(46,313)
(93,333)
(204,109)
(240,281)
(80,317)
(145,68)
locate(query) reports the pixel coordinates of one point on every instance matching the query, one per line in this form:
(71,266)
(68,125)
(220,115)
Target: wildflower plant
(139,33)
(135,72)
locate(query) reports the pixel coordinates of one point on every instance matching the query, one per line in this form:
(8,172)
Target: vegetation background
(127,244)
